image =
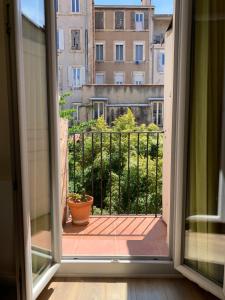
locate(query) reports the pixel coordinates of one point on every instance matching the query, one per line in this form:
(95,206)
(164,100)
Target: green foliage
(120,169)
(68,112)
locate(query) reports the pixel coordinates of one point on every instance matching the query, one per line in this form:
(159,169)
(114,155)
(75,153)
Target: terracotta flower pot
(80,211)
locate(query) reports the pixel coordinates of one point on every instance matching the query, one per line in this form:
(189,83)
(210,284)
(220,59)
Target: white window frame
(74,74)
(75,4)
(60,40)
(119,74)
(139,43)
(157,103)
(136,73)
(119,43)
(142,22)
(98,112)
(76,106)
(100,74)
(103,45)
(160,64)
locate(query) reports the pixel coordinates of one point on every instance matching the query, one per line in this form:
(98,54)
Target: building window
(75,39)
(76,6)
(99,20)
(100,78)
(139,52)
(60,77)
(99,52)
(139,21)
(157,113)
(60,40)
(119,20)
(76,73)
(138,78)
(76,112)
(56,5)
(161,62)
(119,52)
(98,110)
(119,78)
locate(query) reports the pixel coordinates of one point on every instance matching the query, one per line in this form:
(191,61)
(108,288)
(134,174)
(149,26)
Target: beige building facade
(110,54)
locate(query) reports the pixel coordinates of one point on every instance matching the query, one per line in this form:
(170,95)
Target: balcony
(123,172)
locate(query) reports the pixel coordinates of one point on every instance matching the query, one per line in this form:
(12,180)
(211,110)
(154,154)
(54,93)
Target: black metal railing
(122,170)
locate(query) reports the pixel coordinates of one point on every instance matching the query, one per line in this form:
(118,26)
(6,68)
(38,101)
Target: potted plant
(80,207)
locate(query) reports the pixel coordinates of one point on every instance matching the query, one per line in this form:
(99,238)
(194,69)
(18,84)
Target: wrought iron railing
(122,170)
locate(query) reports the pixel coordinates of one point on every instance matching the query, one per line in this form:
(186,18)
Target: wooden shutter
(82,76)
(75,39)
(146,20)
(99,20)
(132,20)
(119,20)
(61,39)
(70,76)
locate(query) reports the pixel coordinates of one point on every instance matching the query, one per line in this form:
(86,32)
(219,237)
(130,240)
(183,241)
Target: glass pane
(204,229)
(34,51)
(95,110)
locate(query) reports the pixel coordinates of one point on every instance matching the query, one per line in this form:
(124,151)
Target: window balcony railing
(121,170)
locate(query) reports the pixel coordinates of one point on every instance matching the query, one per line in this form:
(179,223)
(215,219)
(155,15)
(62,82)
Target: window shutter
(75,39)
(146,22)
(160,62)
(99,20)
(132,20)
(119,20)
(61,39)
(70,76)
(82,76)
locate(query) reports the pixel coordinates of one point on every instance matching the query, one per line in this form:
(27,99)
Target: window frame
(115,74)
(100,73)
(98,102)
(124,20)
(120,43)
(138,43)
(99,29)
(158,103)
(137,13)
(76,105)
(134,73)
(75,5)
(73,48)
(100,43)
(73,82)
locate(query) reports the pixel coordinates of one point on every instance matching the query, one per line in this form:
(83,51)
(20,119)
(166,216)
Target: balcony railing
(122,170)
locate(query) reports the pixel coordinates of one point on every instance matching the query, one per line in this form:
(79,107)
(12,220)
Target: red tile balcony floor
(116,236)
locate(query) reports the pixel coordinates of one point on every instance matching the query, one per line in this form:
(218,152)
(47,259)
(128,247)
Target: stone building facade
(112,58)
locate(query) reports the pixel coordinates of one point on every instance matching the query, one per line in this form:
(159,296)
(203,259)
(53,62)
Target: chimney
(146,2)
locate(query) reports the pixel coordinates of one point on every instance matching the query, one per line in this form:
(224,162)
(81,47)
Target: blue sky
(162,6)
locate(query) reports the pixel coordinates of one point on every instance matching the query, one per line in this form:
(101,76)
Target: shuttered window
(119,78)
(139,52)
(119,49)
(161,62)
(99,52)
(76,6)
(75,39)
(60,39)
(99,20)
(119,20)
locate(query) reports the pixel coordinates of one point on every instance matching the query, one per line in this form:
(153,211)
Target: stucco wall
(67,21)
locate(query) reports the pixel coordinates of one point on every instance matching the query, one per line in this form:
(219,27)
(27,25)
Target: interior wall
(7,257)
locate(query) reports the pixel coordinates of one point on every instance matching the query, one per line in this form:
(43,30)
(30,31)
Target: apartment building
(119,62)
(74,45)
